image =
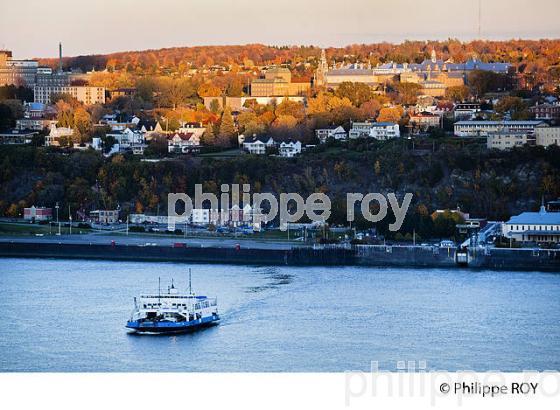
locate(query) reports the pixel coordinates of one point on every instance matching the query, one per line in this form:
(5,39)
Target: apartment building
(85,94)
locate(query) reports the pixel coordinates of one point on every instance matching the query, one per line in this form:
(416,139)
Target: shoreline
(361,255)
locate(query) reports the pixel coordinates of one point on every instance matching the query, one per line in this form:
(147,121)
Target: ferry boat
(173,312)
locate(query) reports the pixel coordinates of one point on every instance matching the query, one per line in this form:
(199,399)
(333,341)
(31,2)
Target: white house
(55,134)
(182,142)
(360,129)
(377,130)
(539,226)
(128,139)
(335,132)
(195,128)
(384,130)
(258,145)
(289,149)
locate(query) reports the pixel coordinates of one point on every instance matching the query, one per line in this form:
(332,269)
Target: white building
(195,128)
(466,111)
(289,149)
(258,145)
(85,94)
(377,130)
(483,128)
(360,129)
(384,131)
(335,132)
(422,121)
(537,227)
(127,140)
(505,139)
(52,140)
(183,143)
(547,136)
(200,216)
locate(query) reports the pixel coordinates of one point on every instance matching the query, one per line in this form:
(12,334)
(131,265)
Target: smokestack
(60,57)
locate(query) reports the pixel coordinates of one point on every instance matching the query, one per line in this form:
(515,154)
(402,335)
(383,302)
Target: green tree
(215,106)
(227,129)
(483,82)
(514,106)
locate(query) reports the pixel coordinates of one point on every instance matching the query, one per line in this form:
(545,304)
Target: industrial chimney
(60,57)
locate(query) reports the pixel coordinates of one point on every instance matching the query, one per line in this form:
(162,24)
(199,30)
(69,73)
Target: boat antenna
(190,283)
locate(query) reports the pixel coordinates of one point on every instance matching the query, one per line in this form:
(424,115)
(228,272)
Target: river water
(65,315)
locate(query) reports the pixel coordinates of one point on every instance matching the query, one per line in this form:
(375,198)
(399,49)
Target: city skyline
(130,26)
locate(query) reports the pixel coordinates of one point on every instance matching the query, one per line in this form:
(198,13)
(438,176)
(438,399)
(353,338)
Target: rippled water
(61,315)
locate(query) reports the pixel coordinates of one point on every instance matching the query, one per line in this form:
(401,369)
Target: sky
(33,28)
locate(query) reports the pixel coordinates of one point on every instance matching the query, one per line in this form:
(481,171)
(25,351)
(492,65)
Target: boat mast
(159,289)
(190,283)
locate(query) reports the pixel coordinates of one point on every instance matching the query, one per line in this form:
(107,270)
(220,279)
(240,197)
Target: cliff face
(483,183)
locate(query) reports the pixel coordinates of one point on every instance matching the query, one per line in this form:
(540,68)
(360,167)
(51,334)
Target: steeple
(543,208)
(434,56)
(322,69)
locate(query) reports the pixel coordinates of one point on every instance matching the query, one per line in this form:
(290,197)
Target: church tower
(434,56)
(322,69)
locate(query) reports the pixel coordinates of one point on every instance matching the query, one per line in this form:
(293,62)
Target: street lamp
(57,221)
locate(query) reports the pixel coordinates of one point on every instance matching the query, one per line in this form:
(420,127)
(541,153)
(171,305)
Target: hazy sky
(33,28)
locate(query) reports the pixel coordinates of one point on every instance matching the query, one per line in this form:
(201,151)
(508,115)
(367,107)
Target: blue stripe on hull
(172,327)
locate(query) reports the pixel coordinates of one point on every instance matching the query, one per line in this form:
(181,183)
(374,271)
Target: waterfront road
(145,240)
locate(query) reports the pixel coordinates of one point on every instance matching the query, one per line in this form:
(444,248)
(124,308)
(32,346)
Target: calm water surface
(61,315)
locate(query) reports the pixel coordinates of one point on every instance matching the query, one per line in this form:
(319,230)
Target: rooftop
(536,218)
(499,122)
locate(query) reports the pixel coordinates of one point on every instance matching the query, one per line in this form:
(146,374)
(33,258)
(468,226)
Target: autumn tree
(457,93)
(249,123)
(82,125)
(390,114)
(174,92)
(357,93)
(290,108)
(371,108)
(209,90)
(408,92)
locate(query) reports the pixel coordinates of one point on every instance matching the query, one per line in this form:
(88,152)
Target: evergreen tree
(208,138)
(227,128)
